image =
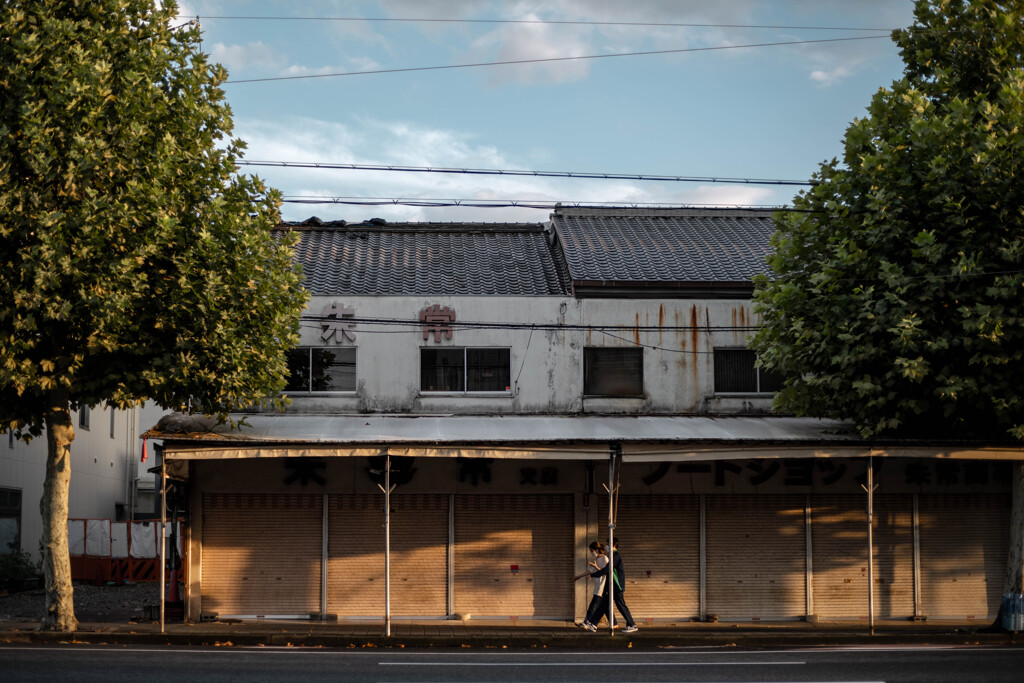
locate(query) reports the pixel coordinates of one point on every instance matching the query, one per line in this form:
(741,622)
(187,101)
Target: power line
(534,174)
(507,203)
(552,59)
(416,323)
(549,21)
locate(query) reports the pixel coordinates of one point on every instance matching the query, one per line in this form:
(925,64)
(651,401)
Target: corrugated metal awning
(588,437)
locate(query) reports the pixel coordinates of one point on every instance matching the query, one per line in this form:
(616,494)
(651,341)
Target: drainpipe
(387,488)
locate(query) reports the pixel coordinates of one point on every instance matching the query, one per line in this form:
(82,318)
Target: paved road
(849,665)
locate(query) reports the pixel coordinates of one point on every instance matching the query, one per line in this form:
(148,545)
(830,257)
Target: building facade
(510,384)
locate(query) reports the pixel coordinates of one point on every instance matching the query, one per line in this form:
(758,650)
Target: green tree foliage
(135,263)
(898,293)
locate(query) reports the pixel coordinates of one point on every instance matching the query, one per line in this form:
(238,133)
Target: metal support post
(387,488)
(163,534)
(870,488)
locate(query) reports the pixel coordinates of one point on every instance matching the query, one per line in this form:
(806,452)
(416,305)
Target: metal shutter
(755,556)
(419,555)
(964,544)
(840,567)
(513,555)
(659,538)
(261,554)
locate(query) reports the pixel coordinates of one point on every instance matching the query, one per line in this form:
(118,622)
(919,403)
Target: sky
(706,106)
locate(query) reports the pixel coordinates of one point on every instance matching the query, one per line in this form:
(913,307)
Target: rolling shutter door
(419,555)
(964,543)
(513,555)
(840,567)
(659,538)
(755,556)
(261,554)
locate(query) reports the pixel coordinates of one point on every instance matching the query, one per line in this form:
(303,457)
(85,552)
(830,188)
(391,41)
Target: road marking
(591,663)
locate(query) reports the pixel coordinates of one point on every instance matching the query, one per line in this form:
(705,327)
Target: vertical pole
(163,533)
(703,599)
(871,545)
(915,522)
(387,545)
(613,485)
(324,553)
(809,555)
(451,555)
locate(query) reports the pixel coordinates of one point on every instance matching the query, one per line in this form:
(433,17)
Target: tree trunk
(1014,582)
(60,608)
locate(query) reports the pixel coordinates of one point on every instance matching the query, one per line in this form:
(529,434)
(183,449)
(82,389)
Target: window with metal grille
(314,369)
(613,371)
(465,369)
(10,520)
(736,373)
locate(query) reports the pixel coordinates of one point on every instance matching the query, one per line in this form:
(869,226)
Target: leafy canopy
(898,293)
(135,263)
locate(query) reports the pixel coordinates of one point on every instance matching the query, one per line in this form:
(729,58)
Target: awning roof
(643,438)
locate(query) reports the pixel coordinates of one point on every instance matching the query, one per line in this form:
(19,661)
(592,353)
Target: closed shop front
(261,554)
(659,538)
(419,555)
(840,556)
(964,543)
(756,546)
(513,555)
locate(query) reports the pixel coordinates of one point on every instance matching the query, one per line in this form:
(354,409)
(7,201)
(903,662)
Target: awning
(652,438)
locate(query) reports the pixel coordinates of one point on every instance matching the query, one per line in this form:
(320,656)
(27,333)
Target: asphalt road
(850,665)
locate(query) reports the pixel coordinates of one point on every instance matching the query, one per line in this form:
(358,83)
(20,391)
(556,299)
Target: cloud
(255,57)
(831,77)
(402,143)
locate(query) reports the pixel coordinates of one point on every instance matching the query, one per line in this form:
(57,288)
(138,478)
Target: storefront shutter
(419,555)
(755,556)
(659,538)
(840,556)
(964,544)
(513,555)
(261,554)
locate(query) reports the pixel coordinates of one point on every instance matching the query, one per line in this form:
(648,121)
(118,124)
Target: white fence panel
(143,543)
(119,539)
(97,538)
(76,537)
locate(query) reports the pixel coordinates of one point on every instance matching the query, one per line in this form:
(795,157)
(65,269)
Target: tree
(897,299)
(135,264)
(898,293)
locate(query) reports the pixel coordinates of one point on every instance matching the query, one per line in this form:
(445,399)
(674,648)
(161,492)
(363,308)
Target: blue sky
(767,112)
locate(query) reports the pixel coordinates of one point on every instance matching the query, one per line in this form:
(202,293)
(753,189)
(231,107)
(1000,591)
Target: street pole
(871,546)
(613,487)
(387,488)
(163,533)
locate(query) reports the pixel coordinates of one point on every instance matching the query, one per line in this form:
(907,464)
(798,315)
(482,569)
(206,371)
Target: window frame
(595,350)
(466,391)
(759,373)
(354,350)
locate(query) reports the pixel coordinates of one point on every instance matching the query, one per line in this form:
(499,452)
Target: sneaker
(588,626)
(631,628)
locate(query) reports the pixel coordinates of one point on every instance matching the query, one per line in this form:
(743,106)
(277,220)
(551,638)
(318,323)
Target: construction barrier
(103,551)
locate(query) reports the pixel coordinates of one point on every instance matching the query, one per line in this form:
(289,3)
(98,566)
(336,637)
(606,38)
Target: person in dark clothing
(620,587)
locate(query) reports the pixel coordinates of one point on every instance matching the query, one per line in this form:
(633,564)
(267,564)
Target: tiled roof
(410,259)
(664,245)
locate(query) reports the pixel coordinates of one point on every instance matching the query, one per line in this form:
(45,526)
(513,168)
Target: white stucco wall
(102,462)
(547,365)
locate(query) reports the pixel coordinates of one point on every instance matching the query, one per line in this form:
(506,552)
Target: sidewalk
(524,634)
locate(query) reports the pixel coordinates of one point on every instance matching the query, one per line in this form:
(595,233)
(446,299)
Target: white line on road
(590,663)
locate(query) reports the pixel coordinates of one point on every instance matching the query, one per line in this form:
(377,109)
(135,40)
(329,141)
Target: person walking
(599,601)
(619,573)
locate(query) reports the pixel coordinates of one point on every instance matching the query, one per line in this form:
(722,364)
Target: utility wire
(552,59)
(551,21)
(485,325)
(534,174)
(512,203)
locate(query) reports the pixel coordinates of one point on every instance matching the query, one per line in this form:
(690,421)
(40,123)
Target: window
(613,371)
(735,373)
(321,369)
(83,417)
(10,521)
(450,369)
(113,413)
